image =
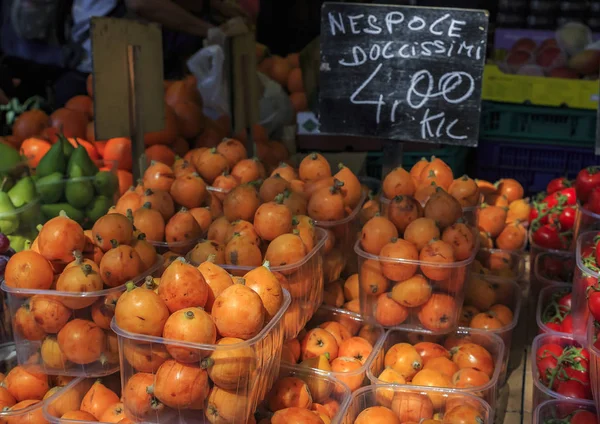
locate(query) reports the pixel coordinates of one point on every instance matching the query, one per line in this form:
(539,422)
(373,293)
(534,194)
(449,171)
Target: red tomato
(587,251)
(554,326)
(572,373)
(549,350)
(546,368)
(565,301)
(557,184)
(566,326)
(586,180)
(534,213)
(572,389)
(547,236)
(551,200)
(566,196)
(583,417)
(567,218)
(594,304)
(593,203)
(583,355)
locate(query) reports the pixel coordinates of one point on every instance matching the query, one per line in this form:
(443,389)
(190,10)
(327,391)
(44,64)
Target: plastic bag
(276,110)
(207,66)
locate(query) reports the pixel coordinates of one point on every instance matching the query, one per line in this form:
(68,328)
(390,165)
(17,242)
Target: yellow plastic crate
(501,87)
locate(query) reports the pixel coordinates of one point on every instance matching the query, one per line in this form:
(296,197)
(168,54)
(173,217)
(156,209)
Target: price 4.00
(452,88)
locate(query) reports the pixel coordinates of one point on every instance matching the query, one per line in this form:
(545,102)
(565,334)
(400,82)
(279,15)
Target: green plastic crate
(542,125)
(454,156)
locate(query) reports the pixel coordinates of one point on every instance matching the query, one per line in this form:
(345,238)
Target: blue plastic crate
(533,165)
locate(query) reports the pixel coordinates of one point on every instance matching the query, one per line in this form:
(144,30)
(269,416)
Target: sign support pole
(245,105)
(135,111)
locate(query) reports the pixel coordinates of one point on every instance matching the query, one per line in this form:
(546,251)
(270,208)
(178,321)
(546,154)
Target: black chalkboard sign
(401,72)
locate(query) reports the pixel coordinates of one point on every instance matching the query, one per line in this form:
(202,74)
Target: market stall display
(239,281)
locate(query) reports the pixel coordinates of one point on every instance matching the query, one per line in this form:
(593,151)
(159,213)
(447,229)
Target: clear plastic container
(304,281)
(583,278)
(20,225)
(538,272)
(546,296)
(592,336)
(27,350)
(551,268)
(502,264)
(341,260)
(239,392)
(354,323)
(441,311)
(585,220)
(507,293)
(542,393)
(490,341)
(323,388)
(69,399)
(427,401)
(30,414)
(552,411)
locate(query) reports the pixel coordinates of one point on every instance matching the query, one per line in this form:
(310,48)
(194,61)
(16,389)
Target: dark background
(288,26)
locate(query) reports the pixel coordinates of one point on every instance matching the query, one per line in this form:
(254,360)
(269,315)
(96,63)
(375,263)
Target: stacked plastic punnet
(391,403)
(562,361)
(200,341)
(62,293)
(415,276)
(339,343)
(561,369)
(553,223)
(564,411)
(493,299)
(585,308)
(25,389)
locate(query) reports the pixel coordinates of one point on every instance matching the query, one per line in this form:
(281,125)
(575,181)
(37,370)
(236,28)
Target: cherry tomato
(593,203)
(571,373)
(569,194)
(551,200)
(565,301)
(584,355)
(557,184)
(547,236)
(594,304)
(551,350)
(588,251)
(586,180)
(572,389)
(546,367)
(533,213)
(587,282)
(567,218)
(554,326)
(566,326)
(583,417)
